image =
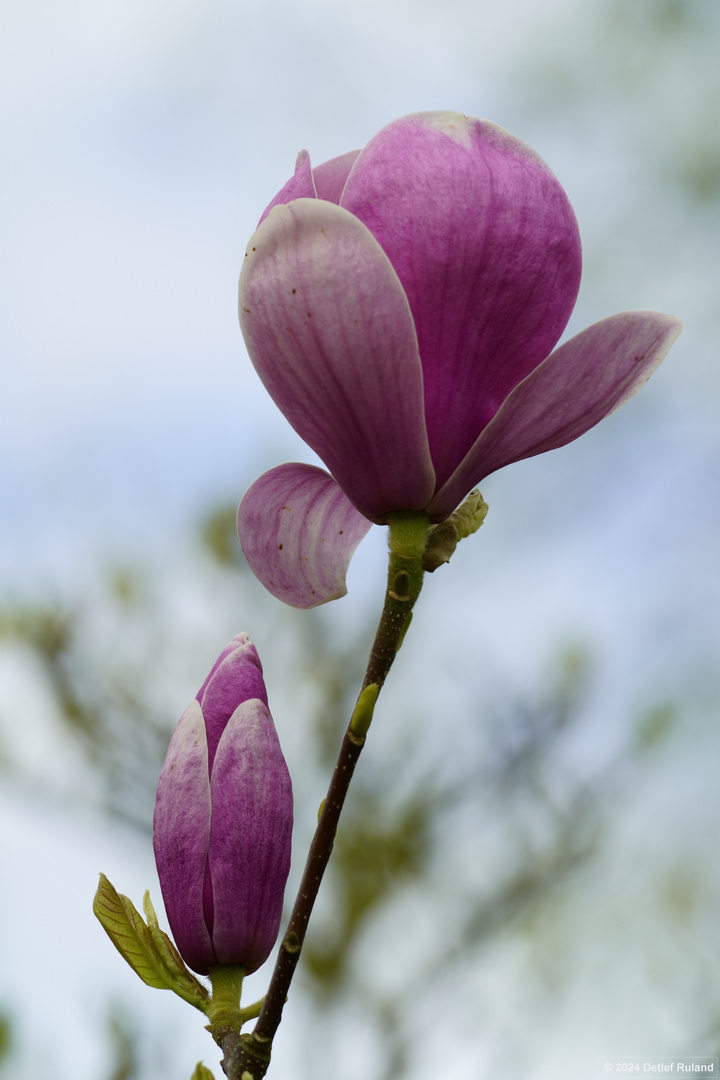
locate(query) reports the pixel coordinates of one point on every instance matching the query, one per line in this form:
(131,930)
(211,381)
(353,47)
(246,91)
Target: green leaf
(201,1072)
(184,982)
(149,952)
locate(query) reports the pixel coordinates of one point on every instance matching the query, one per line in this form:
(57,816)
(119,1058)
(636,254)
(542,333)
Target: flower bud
(223,819)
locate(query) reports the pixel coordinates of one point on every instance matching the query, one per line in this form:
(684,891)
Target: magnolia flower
(401,305)
(223,819)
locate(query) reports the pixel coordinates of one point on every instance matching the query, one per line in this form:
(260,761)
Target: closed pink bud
(223,819)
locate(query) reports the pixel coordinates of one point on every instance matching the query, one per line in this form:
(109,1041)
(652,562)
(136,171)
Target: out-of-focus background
(527,877)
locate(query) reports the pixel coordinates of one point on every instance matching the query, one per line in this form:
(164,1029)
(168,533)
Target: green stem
(247,1057)
(223,1013)
(407,537)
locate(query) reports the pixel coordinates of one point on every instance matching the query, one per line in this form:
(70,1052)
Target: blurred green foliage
(123,1041)
(656,724)
(487,831)
(218,533)
(5,1038)
(486,826)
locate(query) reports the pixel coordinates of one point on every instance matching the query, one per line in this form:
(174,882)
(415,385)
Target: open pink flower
(401,304)
(223,819)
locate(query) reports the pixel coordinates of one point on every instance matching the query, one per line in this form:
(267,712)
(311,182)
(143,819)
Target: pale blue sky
(142,142)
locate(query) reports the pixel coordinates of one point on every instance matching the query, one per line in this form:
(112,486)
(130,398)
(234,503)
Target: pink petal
(299,186)
(486,245)
(236,677)
(326,181)
(582,382)
(181,835)
(298,533)
(251,836)
(240,640)
(330,177)
(329,330)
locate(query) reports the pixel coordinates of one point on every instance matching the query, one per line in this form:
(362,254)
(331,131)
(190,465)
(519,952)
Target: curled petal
(486,246)
(298,532)
(329,330)
(583,381)
(181,835)
(249,855)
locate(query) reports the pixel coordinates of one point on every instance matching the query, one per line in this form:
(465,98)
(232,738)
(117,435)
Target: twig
(247,1057)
